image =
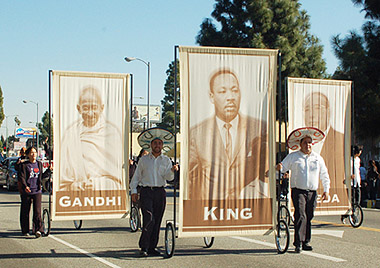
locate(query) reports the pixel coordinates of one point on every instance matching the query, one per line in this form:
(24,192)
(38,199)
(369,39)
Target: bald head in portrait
(91,148)
(317,113)
(228,151)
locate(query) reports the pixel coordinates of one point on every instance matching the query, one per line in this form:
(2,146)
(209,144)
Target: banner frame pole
(353,195)
(175,136)
(279,130)
(286,112)
(353,113)
(279,107)
(50,157)
(131,124)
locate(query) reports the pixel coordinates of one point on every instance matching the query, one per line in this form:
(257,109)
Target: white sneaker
(38,234)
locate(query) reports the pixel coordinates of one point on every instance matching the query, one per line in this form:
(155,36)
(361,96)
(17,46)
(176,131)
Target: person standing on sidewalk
(306,167)
(151,175)
(30,178)
(18,166)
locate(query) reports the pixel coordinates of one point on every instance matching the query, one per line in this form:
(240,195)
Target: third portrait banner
(326,105)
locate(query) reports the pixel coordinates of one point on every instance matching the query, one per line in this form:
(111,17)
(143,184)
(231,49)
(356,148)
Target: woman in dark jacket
(133,164)
(30,178)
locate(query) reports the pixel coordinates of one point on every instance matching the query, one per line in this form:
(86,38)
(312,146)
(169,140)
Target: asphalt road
(109,243)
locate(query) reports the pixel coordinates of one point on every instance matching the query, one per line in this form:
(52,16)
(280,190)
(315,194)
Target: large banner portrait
(90,112)
(227,142)
(326,105)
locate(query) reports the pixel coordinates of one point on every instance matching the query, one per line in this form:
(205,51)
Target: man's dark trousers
(153,202)
(304,203)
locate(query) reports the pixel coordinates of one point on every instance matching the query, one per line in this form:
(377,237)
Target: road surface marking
(336,233)
(313,254)
(85,252)
(348,225)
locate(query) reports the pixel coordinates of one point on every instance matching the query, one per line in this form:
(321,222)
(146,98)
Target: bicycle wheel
(169,240)
(282,237)
(356,218)
(78,224)
(208,241)
(46,221)
(284,214)
(134,219)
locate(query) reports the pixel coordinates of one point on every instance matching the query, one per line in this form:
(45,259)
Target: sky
(95,36)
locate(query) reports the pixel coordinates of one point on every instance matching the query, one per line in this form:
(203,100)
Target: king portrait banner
(326,105)
(90,116)
(227,141)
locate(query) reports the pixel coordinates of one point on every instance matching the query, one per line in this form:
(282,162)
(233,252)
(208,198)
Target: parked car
(8,174)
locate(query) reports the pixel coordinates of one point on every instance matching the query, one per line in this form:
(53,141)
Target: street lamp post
(6,133)
(129,59)
(36,103)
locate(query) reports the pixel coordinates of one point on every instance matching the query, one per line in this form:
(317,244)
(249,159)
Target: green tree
(44,127)
(274,24)
(168,101)
(1,106)
(371,7)
(359,61)
(271,24)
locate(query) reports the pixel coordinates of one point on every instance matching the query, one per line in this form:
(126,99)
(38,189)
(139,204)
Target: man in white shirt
(355,178)
(306,168)
(151,175)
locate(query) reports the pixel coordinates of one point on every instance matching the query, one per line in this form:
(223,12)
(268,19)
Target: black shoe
(154,252)
(298,249)
(143,253)
(306,246)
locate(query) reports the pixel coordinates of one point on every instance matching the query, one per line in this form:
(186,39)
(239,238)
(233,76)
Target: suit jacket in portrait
(213,176)
(333,154)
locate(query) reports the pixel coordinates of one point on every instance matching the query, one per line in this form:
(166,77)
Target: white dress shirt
(152,172)
(306,169)
(357,178)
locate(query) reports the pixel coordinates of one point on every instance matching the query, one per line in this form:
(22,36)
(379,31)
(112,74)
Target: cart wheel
(356,218)
(284,214)
(169,240)
(282,237)
(46,222)
(208,241)
(134,219)
(78,224)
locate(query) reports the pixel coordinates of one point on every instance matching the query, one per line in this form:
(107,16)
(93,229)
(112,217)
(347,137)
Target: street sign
(26,132)
(140,111)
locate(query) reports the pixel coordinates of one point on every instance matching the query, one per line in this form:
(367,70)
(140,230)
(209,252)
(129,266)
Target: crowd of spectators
(370,181)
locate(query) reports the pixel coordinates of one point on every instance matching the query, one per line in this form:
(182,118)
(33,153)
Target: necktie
(227,126)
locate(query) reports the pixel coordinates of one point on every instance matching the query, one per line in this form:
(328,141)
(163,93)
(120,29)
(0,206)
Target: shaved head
(317,111)
(90,106)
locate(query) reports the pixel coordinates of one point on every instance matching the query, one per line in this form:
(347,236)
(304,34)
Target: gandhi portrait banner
(90,112)
(326,104)
(227,142)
